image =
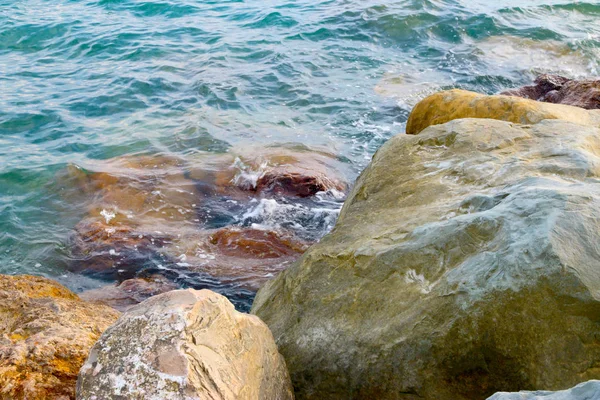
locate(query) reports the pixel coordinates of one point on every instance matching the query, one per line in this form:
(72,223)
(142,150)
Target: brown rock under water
(281,171)
(246,257)
(255,243)
(149,210)
(46,332)
(129,292)
(560,90)
(113,251)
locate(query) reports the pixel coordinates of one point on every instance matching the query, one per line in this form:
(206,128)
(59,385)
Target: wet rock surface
(449,105)
(560,90)
(46,332)
(185,344)
(464,262)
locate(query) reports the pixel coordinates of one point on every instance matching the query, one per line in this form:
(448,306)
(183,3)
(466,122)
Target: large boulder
(185,344)
(465,261)
(589,390)
(46,332)
(454,104)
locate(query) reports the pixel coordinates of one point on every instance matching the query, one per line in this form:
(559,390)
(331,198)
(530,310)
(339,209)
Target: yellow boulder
(446,106)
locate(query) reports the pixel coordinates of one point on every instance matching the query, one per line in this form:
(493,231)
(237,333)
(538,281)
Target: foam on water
(86,81)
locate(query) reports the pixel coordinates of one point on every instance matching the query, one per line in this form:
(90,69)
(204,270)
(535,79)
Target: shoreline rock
(464,261)
(185,344)
(589,390)
(454,104)
(46,332)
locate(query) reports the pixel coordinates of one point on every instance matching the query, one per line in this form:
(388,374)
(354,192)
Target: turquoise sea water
(86,81)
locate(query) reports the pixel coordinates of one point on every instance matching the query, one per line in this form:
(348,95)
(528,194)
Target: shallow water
(86,81)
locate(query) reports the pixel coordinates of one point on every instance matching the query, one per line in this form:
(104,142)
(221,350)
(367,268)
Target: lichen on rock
(185,344)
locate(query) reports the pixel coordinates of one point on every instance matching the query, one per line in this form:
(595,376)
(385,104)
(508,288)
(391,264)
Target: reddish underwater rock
(149,210)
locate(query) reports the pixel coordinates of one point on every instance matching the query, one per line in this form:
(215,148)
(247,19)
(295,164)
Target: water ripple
(91,80)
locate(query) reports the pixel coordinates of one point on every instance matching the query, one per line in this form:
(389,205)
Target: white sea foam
(108,215)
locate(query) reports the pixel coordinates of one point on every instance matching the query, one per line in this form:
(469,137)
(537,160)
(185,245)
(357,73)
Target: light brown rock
(185,344)
(46,332)
(446,106)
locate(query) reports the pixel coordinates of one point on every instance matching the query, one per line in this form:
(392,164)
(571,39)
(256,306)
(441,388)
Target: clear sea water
(82,81)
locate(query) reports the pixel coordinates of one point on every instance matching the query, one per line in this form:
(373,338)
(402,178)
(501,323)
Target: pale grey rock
(584,391)
(185,344)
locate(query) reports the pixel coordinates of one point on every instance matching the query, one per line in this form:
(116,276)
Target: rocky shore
(464,265)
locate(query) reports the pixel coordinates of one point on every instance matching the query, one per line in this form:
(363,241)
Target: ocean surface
(86,83)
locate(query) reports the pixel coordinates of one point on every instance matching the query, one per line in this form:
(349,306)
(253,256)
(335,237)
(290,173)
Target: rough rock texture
(185,344)
(453,104)
(585,391)
(561,90)
(46,332)
(465,261)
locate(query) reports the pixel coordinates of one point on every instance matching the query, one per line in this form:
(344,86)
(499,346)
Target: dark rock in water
(115,252)
(281,171)
(46,332)
(240,256)
(199,221)
(293,184)
(130,292)
(560,90)
(255,243)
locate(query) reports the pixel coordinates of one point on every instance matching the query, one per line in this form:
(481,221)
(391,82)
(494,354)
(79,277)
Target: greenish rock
(465,261)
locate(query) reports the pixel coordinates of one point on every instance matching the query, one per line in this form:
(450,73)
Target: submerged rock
(194,215)
(280,171)
(560,90)
(585,391)
(245,257)
(185,344)
(464,262)
(454,104)
(129,292)
(46,332)
(114,250)
(519,56)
